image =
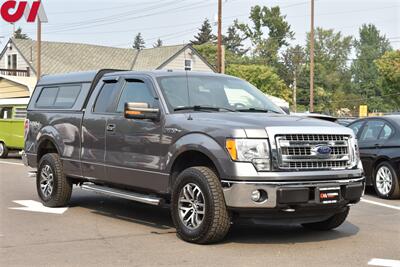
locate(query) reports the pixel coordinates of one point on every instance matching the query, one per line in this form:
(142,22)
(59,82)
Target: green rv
(12,119)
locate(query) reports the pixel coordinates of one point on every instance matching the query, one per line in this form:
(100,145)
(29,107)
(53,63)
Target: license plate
(329,195)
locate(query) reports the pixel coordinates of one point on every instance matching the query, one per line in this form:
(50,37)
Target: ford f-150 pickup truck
(211,147)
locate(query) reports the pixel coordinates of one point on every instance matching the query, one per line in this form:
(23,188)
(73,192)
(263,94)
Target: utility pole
(39,49)
(219,51)
(312,59)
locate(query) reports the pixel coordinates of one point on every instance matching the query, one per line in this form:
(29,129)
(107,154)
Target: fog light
(256,196)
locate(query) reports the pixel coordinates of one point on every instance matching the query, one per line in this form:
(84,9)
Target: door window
(386,132)
(106,98)
(372,131)
(136,91)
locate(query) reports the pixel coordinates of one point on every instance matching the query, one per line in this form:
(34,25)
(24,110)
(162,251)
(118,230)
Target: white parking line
(11,163)
(380,204)
(384,263)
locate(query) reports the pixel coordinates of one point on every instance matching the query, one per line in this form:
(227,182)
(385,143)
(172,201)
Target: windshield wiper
(203,108)
(254,110)
(259,110)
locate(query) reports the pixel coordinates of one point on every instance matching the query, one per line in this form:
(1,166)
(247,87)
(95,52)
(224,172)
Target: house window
(12,62)
(188,64)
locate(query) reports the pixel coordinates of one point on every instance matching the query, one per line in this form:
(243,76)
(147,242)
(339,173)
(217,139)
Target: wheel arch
(46,144)
(195,150)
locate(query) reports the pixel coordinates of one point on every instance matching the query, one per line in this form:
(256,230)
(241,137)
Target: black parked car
(379,142)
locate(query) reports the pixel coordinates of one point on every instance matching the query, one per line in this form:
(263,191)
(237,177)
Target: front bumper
(290,195)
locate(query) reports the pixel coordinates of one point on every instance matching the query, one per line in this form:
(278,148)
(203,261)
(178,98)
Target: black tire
(62,187)
(3,150)
(333,222)
(216,220)
(394,191)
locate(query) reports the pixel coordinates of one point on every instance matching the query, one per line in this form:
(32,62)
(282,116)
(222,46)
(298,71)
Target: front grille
(302,151)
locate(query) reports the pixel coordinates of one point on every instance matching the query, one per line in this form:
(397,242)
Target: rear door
(370,144)
(100,107)
(133,146)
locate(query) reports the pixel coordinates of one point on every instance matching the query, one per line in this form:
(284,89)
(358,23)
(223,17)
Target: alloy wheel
(191,206)
(46,181)
(1,149)
(384,180)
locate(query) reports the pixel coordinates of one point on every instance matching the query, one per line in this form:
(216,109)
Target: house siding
(10,89)
(21,63)
(178,63)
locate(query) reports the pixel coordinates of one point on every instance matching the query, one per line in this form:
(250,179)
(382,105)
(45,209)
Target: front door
(133,146)
(370,144)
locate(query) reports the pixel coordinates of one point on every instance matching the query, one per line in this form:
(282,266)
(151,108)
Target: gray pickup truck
(211,147)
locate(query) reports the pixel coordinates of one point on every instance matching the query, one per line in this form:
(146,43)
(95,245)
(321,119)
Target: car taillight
(26,128)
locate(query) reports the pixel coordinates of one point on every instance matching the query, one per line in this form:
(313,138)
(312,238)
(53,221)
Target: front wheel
(333,222)
(3,150)
(386,181)
(198,206)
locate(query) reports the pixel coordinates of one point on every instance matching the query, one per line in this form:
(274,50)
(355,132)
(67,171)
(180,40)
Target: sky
(115,23)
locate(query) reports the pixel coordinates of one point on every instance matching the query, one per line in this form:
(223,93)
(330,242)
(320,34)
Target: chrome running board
(146,199)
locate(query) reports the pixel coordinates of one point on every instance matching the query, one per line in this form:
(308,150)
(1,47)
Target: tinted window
(47,97)
(105,98)
(372,130)
(136,91)
(386,132)
(67,96)
(356,127)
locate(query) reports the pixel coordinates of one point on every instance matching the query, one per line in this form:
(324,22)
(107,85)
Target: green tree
(332,73)
(18,34)
(294,59)
(262,77)
(389,71)
(233,41)
(369,46)
(158,43)
(138,42)
(269,32)
(204,35)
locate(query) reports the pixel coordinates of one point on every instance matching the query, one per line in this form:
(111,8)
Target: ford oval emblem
(324,150)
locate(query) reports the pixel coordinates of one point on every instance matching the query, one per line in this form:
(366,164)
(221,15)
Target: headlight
(255,151)
(354,152)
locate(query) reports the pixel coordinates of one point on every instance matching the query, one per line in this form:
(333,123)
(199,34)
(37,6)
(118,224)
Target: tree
(332,51)
(389,72)
(262,77)
(267,20)
(138,43)
(205,34)
(370,45)
(158,43)
(294,59)
(233,41)
(18,34)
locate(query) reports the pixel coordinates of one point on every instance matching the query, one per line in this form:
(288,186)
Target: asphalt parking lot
(105,231)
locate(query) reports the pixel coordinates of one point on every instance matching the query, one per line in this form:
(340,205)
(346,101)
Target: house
(18,58)
(12,87)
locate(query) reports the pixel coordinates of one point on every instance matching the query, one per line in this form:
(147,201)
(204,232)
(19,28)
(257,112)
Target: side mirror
(141,111)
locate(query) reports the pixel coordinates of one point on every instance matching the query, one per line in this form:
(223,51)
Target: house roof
(58,57)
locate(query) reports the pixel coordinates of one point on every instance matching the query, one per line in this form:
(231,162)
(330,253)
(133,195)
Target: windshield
(222,93)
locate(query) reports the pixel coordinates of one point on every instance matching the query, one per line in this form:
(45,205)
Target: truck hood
(257,120)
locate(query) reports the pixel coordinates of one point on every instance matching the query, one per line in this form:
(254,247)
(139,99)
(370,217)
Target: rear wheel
(53,187)
(333,222)
(3,150)
(198,207)
(386,181)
